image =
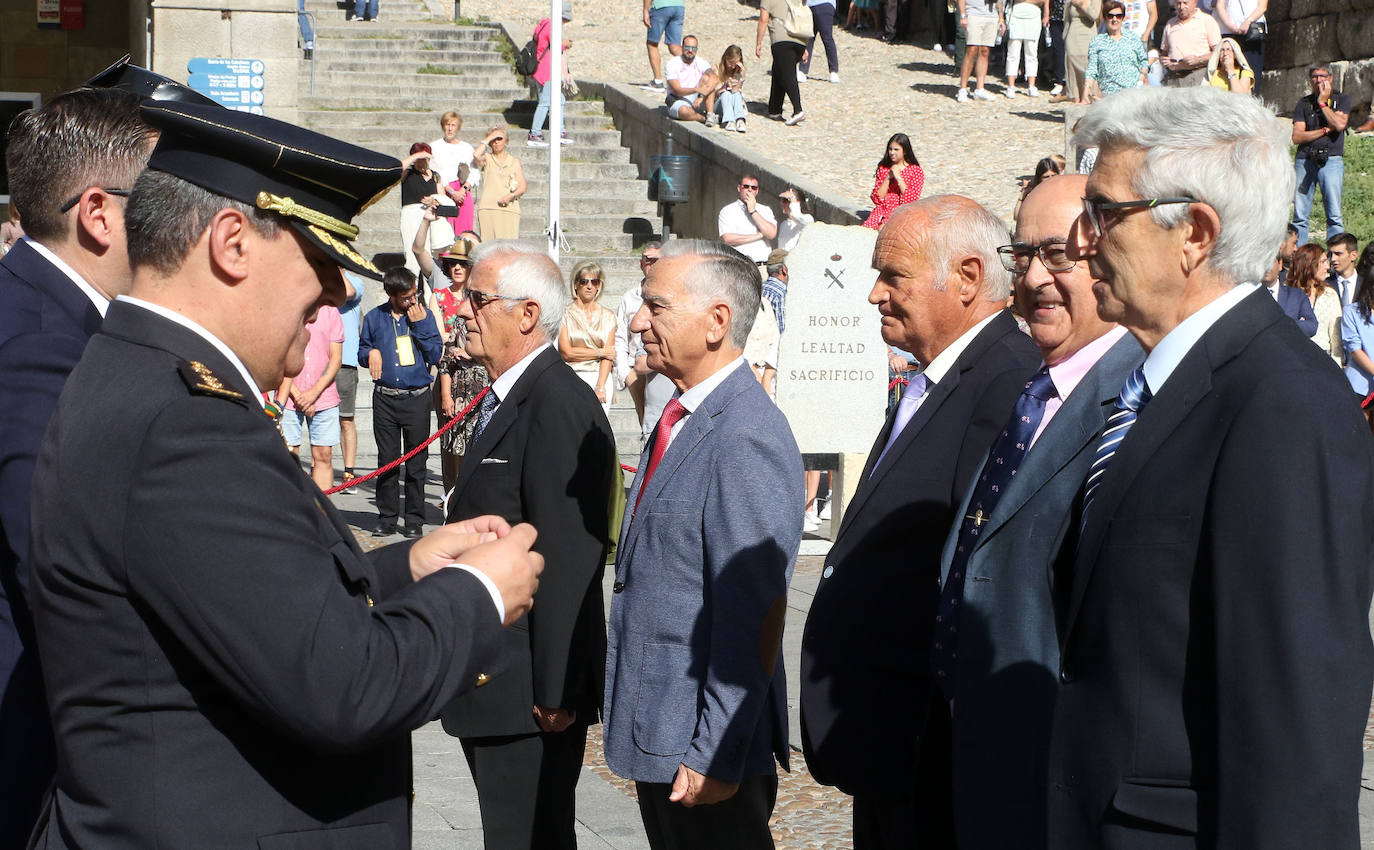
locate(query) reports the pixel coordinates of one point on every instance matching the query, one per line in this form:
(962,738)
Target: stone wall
(1302,32)
(237,29)
(48,61)
(717,163)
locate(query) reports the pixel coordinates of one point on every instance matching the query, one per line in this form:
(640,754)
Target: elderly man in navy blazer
(996,641)
(696,709)
(70,164)
(874,720)
(1215,657)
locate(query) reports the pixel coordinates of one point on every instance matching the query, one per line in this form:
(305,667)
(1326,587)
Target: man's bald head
(1055,294)
(938,273)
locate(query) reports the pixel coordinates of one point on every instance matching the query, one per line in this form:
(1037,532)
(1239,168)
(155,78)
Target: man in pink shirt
(311,397)
(1189,39)
(995,642)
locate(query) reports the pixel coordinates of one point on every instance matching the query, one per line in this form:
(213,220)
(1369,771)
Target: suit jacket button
(1064,676)
(828,571)
(482,679)
(617,587)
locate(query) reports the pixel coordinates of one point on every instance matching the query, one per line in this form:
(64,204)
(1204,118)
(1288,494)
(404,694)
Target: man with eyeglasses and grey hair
(696,700)
(1215,662)
(71,164)
(542,452)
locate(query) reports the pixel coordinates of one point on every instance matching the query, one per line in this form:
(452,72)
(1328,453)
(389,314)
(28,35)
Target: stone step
(383,138)
(491,100)
(411,80)
(383,50)
(408,31)
(327,65)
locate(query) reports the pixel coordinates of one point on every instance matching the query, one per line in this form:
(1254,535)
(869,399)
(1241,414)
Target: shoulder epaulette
(201,381)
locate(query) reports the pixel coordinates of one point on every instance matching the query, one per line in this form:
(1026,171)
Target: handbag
(1257,32)
(797,21)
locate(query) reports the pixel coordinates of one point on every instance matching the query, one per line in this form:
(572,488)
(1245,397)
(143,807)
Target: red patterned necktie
(673,412)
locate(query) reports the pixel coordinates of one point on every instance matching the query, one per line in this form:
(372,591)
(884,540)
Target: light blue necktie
(1133,397)
(484,411)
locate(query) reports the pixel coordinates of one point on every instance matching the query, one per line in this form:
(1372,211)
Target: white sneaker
(1010,92)
(1032,91)
(961,95)
(739,126)
(797,118)
(834,76)
(810,522)
(825,510)
(936,47)
(982,94)
(801,78)
(1057,90)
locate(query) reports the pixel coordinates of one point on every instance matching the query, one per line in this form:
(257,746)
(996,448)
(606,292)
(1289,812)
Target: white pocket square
(494,460)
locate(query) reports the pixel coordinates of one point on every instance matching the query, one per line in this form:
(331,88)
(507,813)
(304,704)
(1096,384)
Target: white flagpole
(554,231)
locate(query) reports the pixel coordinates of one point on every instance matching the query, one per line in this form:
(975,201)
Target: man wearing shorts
(311,398)
(346,382)
(685,84)
(982,20)
(664,19)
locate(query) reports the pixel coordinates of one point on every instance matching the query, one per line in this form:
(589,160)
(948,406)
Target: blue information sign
(235,83)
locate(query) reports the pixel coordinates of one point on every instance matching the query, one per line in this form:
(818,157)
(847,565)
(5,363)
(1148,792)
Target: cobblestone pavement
(974,149)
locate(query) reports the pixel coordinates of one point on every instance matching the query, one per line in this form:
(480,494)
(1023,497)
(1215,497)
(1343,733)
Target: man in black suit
(997,642)
(71,163)
(542,453)
(223,665)
(1216,663)
(874,722)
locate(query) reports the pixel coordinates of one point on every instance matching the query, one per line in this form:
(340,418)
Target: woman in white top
(796,215)
(587,339)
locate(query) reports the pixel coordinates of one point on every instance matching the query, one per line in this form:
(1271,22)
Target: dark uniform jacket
(224,667)
(547,457)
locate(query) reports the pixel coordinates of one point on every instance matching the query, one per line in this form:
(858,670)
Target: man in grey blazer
(696,707)
(998,560)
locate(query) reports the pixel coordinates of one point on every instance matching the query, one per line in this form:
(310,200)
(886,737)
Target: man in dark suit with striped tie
(1215,662)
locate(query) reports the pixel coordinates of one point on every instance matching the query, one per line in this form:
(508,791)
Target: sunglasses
(750,187)
(648,261)
(481,299)
(1117,15)
(594,281)
(1094,209)
(71,202)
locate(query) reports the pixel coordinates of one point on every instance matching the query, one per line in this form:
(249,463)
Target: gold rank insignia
(200,380)
(482,679)
(342,247)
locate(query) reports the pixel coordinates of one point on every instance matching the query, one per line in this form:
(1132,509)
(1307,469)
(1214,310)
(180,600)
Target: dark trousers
(920,817)
(739,823)
(1254,54)
(823,22)
(398,425)
(890,10)
(1057,68)
(527,787)
(786,56)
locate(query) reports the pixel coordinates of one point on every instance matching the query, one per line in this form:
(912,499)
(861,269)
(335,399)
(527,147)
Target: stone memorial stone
(832,361)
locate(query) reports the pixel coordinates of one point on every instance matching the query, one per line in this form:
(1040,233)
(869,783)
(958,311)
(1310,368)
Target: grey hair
(527,272)
(723,274)
(958,229)
(1204,143)
(167,215)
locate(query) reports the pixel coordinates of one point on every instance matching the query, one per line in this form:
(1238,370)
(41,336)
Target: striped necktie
(484,411)
(1128,405)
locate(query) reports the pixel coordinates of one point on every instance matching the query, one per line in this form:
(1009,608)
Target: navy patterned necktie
(1004,458)
(1128,405)
(484,411)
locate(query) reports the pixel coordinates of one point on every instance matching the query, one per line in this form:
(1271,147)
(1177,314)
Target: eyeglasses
(594,281)
(648,261)
(481,299)
(1117,15)
(1017,256)
(71,202)
(1094,208)
(749,187)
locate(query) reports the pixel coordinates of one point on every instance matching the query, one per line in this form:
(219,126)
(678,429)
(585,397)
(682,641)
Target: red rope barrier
(458,417)
(895,381)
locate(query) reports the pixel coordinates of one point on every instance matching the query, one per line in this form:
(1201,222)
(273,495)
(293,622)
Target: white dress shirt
(1164,359)
(694,396)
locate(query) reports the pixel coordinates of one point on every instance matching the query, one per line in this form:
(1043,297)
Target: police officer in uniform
(225,667)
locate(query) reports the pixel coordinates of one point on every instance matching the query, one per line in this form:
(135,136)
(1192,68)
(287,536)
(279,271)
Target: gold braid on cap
(291,209)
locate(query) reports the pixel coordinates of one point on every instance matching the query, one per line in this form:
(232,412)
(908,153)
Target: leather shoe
(384,531)
(413,532)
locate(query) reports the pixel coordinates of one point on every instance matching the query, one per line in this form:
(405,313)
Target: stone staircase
(384,84)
